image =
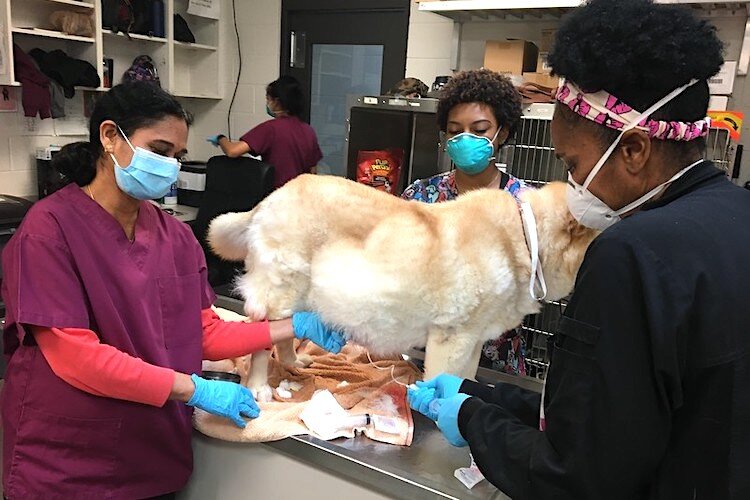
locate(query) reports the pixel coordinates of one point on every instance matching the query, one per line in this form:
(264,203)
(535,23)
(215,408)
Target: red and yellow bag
(380,169)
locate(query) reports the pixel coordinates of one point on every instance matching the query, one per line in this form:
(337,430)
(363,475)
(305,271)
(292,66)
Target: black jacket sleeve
(519,402)
(610,389)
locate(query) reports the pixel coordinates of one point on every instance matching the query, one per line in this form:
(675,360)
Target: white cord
(393,369)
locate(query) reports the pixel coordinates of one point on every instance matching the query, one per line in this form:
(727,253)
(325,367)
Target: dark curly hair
(483,86)
(639,51)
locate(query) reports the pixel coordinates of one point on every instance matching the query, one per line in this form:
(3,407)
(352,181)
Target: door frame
(340,6)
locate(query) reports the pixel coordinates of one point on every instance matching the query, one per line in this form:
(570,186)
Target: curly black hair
(639,51)
(482,86)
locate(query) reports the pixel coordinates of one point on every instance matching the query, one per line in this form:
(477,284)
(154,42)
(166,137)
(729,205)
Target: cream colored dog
(395,274)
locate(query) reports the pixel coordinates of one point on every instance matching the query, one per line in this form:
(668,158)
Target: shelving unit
(462,11)
(196,65)
(182,66)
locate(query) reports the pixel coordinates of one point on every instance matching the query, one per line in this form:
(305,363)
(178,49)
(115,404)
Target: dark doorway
(337,48)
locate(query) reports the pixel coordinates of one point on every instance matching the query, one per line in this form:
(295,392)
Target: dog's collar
(532,242)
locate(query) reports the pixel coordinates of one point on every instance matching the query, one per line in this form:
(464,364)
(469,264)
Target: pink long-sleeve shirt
(78,357)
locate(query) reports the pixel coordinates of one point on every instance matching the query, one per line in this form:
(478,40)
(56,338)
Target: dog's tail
(227,235)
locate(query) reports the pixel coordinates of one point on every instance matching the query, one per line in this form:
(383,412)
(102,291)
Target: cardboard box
(718,103)
(723,82)
(510,56)
(548,38)
(543,79)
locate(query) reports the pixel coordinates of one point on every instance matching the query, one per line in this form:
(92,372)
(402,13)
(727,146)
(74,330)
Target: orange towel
(357,385)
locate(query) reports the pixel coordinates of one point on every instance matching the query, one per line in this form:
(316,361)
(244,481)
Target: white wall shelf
(134,36)
(197,96)
(194,46)
(52,34)
(75,3)
(182,67)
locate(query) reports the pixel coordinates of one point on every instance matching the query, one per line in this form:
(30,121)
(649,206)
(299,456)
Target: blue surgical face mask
(149,175)
(270,112)
(471,153)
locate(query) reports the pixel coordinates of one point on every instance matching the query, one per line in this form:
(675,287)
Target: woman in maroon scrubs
(108,315)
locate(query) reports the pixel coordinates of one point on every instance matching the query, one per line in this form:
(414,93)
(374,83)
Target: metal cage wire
(532,159)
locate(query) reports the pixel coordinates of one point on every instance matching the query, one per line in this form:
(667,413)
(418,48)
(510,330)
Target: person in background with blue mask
(109,316)
(286,142)
(646,394)
(478,112)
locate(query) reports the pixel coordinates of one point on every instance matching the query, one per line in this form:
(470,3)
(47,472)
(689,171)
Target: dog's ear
(227,235)
(577,231)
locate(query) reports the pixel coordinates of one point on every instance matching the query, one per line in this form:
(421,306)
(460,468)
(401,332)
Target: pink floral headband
(605,109)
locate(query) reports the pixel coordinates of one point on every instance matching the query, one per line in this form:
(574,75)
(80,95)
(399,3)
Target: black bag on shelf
(143,17)
(182,31)
(117,15)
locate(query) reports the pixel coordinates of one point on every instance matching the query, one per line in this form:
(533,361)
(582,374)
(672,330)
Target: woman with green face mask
(286,142)
(478,112)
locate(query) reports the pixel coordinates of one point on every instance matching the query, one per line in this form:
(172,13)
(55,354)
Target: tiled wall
(428,52)
(19,139)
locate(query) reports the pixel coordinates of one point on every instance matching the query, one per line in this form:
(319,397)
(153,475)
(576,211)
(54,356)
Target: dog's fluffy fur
(395,274)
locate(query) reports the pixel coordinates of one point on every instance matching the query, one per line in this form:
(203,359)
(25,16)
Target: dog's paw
(263,393)
(303,361)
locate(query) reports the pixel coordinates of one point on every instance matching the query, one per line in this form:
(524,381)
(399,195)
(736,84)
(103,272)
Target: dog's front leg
(451,352)
(289,358)
(257,382)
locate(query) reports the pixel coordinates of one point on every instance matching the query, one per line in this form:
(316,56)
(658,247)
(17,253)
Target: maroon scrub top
(71,265)
(287,143)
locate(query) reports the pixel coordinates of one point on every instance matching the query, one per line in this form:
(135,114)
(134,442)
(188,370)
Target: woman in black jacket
(645,395)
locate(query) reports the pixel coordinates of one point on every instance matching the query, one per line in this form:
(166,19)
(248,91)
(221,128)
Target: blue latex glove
(307,325)
(445,385)
(447,420)
(421,399)
(225,399)
(214,139)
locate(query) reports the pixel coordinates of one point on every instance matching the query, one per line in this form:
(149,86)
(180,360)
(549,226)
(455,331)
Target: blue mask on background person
(269,112)
(471,153)
(149,175)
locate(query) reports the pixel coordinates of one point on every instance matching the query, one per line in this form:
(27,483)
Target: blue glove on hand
(445,385)
(225,399)
(423,400)
(307,325)
(214,139)
(447,418)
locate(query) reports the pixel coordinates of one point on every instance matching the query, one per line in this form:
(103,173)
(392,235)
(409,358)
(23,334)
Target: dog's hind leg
(450,352)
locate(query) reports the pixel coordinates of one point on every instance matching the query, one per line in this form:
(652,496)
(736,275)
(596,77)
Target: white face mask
(592,212)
